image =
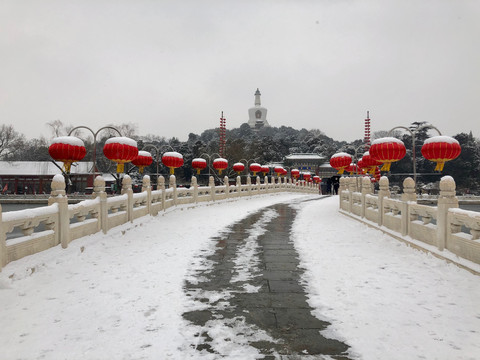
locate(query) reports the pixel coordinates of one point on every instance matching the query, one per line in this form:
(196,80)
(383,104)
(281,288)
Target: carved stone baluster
(455,227)
(475,232)
(427,219)
(27,228)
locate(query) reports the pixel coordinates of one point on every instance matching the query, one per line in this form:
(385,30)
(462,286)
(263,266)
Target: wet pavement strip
(251,285)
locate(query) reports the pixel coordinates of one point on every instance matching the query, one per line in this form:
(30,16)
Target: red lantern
(238,167)
(340,161)
(220,164)
(440,149)
(278,170)
(284,172)
(172,160)
(144,158)
(306,176)
(352,168)
(254,167)
(317,179)
(199,164)
(67,149)
(360,166)
(369,163)
(264,169)
(295,173)
(387,150)
(120,150)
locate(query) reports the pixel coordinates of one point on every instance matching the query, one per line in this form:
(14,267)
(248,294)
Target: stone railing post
(127,189)
(409,190)
(3,243)
(366,190)
(173,185)
(194,185)
(446,200)
(227,186)
(161,187)
(211,184)
(238,184)
(99,191)
(58,196)
(249,185)
(352,185)
(258,183)
(408,195)
(341,189)
(351,189)
(383,192)
(146,187)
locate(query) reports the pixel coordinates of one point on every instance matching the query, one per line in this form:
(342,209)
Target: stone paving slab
(285,286)
(275,252)
(281,266)
(281,274)
(280,259)
(271,299)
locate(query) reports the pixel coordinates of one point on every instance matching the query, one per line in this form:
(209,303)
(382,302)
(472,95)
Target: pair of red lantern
(438,149)
(219,164)
(69,149)
(171,159)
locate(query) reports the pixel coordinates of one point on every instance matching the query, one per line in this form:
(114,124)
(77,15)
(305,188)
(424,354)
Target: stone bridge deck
(254,283)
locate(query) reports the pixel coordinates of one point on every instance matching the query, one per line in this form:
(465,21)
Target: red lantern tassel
(67,166)
(440,165)
(386,167)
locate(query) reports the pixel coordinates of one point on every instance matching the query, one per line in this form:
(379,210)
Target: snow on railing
(444,226)
(27,232)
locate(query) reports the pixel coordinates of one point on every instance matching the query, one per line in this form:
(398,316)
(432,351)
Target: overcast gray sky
(171,67)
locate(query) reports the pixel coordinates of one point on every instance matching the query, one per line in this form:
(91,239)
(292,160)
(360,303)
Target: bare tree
(384,133)
(57,128)
(127,129)
(11,141)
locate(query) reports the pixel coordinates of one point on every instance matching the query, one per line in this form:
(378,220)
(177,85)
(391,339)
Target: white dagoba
(257,115)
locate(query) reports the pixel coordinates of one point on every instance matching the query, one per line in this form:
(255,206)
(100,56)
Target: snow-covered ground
(121,296)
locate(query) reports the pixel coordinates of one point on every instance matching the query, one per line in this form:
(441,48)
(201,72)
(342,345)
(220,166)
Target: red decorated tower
(222,145)
(366,139)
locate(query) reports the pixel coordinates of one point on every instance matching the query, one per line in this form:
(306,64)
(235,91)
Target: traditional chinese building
(314,163)
(35,177)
